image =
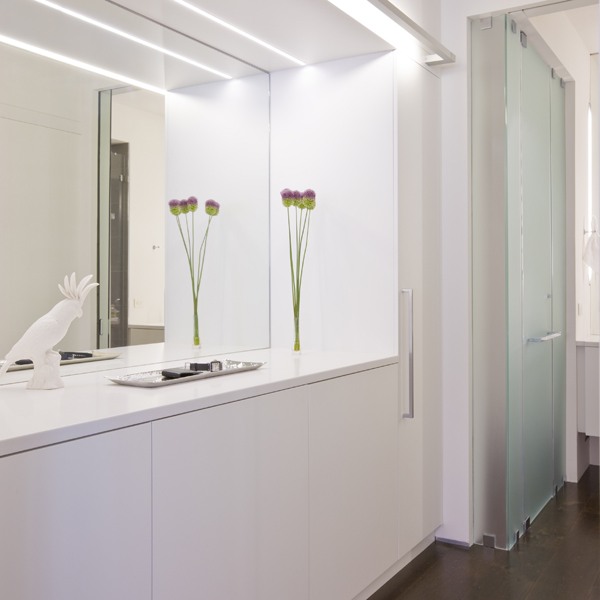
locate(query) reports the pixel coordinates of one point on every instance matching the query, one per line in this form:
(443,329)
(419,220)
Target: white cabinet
(353,426)
(231,501)
(75,519)
(419,269)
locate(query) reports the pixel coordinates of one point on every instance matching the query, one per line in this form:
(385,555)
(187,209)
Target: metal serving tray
(151,379)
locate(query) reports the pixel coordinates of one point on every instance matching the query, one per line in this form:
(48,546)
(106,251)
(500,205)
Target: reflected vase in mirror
(303,204)
(184,211)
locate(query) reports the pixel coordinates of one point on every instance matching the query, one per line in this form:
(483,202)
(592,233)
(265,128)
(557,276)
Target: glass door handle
(551,335)
(411,365)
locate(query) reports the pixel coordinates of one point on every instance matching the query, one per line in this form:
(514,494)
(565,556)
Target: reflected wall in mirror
(218,148)
(48,156)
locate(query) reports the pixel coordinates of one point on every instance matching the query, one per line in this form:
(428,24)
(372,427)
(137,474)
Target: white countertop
(90,404)
(132,356)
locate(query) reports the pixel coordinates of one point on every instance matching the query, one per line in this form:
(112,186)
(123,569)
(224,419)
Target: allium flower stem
(183,238)
(190,241)
(291,259)
(305,248)
(193,241)
(297,260)
(203,252)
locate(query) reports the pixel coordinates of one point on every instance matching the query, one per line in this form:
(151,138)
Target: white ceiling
(312,30)
(585,21)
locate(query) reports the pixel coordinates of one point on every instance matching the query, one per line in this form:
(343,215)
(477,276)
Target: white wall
(217,147)
(333,131)
(426,14)
(144,131)
(48,156)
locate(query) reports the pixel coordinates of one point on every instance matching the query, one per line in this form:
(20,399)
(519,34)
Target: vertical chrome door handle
(411,365)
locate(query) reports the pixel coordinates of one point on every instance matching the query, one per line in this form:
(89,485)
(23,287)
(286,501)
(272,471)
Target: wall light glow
(80,65)
(128,36)
(238,31)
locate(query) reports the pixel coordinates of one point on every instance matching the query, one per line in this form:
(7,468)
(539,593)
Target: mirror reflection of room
(48,185)
(84,182)
(137,182)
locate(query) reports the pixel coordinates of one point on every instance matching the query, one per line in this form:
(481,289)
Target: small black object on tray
(191,372)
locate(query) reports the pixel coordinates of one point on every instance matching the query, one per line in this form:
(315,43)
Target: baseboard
(395,568)
(453,542)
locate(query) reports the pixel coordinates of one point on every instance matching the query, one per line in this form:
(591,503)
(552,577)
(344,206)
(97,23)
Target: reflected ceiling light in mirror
(238,31)
(81,65)
(388,22)
(128,36)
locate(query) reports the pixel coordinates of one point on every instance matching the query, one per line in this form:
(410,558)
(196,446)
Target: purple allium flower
(192,202)
(174,207)
(287,197)
(185,207)
(309,199)
(297,201)
(212,208)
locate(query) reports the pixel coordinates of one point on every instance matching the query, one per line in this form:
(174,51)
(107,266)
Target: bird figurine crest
(37,342)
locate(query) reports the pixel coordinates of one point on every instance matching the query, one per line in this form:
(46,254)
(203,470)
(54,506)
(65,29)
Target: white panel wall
(217,148)
(144,131)
(455,267)
(426,14)
(333,131)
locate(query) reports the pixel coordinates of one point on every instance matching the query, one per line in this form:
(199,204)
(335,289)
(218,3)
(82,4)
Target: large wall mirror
(64,208)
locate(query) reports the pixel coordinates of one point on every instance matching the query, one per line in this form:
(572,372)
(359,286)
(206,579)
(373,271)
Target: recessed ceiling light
(79,64)
(237,30)
(128,36)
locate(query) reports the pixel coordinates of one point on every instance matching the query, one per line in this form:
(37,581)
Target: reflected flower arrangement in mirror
(184,211)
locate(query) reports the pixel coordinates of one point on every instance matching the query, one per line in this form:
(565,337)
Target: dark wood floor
(558,558)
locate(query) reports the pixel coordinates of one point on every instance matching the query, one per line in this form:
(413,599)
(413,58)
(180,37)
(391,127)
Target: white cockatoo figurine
(38,341)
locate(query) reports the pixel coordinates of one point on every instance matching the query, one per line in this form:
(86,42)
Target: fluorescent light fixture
(239,31)
(79,64)
(372,18)
(388,22)
(434,59)
(133,38)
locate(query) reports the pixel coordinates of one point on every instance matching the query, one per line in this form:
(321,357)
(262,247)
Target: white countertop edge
(12,444)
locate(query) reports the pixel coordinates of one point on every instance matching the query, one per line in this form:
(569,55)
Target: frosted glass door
(538,443)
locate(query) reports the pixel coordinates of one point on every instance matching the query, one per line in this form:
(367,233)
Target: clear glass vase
(297,335)
(196,333)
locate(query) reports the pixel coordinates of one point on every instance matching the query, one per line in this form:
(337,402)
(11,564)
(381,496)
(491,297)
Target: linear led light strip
(238,31)
(387,21)
(81,65)
(128,36)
